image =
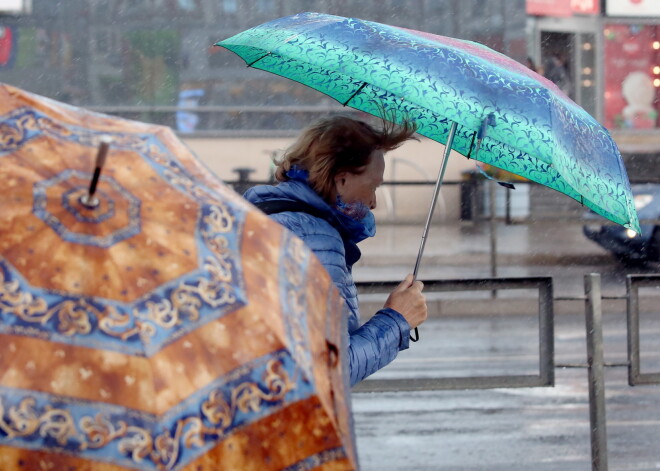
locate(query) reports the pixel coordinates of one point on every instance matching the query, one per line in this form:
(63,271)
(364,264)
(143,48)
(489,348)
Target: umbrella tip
(104,145)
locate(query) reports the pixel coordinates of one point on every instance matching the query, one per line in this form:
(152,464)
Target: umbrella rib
(474,134)
(364,84)
(257,60)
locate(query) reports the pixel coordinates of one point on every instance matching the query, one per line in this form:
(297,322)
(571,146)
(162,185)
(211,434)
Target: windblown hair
(337,144)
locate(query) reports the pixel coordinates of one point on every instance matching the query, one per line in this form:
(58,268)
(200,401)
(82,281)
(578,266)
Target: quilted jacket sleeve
(377,342)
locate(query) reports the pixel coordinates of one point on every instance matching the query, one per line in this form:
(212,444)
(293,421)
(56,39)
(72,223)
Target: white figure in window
(639,92)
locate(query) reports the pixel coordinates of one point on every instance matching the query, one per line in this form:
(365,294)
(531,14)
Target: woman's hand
(407,299)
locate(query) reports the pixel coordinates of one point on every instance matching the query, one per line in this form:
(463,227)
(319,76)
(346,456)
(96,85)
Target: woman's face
(354,188)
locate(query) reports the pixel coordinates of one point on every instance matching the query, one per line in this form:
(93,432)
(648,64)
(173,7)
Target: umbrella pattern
(170,327)
(506,115)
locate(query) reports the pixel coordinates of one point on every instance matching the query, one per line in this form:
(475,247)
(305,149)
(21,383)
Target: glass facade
(631,56)
(143,59)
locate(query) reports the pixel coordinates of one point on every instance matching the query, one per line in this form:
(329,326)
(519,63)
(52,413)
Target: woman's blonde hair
(337,144)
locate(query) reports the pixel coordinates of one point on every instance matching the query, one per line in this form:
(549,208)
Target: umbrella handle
(434,200)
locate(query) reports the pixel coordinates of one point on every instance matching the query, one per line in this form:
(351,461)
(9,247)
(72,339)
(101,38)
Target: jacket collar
(298,190)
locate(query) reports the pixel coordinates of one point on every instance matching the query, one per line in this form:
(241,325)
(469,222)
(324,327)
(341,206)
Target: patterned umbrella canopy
(505,114)
(171,326)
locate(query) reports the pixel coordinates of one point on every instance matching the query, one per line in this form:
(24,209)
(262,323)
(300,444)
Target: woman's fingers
(405,283)
(407,299)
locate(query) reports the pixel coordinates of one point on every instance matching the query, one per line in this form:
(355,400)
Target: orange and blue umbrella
(154,320)
(477,101)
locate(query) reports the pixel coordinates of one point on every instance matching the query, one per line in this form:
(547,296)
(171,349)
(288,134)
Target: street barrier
(545,376)
(633,284)
(595,364)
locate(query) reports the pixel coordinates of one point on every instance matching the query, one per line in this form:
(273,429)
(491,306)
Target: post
(243,182)
(507,194)
(393,191)
(595,364)
(493,233)
(546,333)
(632,317)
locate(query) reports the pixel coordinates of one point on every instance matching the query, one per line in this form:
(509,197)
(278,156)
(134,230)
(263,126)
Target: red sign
(630,94)
(585,7)
(548,7)
(562,8)
(6,45)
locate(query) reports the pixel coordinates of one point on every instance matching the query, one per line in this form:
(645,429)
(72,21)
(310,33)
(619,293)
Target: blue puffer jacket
(333,236)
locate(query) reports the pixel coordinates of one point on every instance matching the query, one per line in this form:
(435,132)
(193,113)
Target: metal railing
(545,376)
(595,363)
(633,284)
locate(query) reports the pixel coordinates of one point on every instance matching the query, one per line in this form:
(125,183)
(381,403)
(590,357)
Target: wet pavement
(543,428)
(510,429)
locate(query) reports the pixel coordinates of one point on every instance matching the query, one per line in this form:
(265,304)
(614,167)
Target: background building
(150,59)
(610,52)
(142,59)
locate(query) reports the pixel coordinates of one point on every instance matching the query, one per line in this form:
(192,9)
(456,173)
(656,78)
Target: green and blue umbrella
(474,100)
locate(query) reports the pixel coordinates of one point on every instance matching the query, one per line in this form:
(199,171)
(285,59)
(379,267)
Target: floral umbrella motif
(505,114)
(171,327)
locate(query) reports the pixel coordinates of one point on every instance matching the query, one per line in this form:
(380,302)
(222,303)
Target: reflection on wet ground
(544,428)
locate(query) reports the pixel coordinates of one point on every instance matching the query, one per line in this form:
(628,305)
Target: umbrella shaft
(436,192)
(89,200)
(94,182)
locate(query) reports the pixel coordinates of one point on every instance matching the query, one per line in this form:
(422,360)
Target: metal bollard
(243,182)
(595,364)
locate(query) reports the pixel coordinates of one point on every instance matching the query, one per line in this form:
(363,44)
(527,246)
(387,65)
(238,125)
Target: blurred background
(154,61)
(123,53)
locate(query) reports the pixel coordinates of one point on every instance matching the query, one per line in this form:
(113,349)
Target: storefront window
(557,60)
(632,74)
(569,60)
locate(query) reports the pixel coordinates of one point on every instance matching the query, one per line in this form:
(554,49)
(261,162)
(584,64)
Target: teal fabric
(526,124)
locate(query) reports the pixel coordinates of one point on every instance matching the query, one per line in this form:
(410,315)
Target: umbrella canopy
(169,326)
(505,114)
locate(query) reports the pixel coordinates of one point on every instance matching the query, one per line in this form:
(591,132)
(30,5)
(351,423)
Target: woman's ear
(340,181)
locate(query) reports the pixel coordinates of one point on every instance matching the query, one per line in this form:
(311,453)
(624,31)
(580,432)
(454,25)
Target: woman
(327,189)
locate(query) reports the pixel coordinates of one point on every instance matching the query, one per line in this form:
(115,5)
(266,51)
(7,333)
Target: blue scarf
(356,217)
